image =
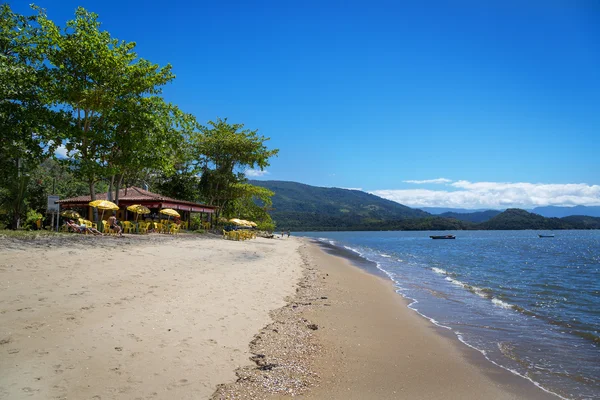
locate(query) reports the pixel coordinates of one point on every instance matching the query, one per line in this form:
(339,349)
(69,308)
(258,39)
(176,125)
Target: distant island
(301,207)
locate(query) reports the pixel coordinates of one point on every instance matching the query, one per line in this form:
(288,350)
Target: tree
(147,135)
(224,151)
(252,203)
(94,77)
(30,127)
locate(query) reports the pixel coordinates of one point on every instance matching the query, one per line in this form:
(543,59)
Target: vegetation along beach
(208,200)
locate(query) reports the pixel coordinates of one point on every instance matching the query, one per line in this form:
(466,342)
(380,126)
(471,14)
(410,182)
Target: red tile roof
(133,195)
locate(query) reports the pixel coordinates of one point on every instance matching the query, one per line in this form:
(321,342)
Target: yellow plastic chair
(127,227)
(106,228)
(174,229)
(143,227)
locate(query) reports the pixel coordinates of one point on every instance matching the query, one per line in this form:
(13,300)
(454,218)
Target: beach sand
(177,318)
(109,318)
(377,348)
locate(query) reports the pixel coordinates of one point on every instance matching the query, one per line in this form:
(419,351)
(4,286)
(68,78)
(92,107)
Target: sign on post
(52,203)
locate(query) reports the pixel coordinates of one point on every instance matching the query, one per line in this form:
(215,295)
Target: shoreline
(174,317)
(362,341)
(387,308)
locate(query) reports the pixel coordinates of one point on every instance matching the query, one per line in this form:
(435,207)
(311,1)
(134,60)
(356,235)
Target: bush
(32,218)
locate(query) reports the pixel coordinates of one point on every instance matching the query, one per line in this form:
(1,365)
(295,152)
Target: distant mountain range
(442,210)
(298,206)
(560,212)
(301,207)
(547,211)
(476,217)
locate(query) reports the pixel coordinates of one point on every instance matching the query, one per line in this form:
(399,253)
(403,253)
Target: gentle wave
(502,304)
(481,292)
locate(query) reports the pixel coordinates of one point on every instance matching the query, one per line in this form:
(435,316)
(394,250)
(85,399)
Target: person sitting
(112,223)
(82,228)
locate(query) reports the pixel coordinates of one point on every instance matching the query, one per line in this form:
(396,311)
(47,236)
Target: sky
(450,103)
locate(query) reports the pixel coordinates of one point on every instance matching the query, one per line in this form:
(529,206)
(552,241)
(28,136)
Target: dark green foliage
(475,217)
(302,207)
(515,218)
(582,222)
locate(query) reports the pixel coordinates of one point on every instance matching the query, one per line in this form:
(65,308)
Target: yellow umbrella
(170,212)
(104,205)
(70,214)
(253,224)
(236,221)
(139,209)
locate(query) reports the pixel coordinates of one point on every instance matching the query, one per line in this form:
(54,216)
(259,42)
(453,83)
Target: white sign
(52,205)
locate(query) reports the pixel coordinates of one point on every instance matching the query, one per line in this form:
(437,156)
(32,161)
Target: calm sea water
(529,304)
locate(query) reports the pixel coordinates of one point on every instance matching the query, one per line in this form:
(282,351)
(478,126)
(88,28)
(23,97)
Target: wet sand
(348,335)
(377,348)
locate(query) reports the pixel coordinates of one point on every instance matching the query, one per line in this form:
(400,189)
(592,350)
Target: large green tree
(100,81)
(30,128)
(224,152)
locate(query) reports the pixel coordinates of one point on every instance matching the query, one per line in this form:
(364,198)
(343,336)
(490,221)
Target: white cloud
(438,180)
(256,172)
(61,152)
(497,195)
(351,188)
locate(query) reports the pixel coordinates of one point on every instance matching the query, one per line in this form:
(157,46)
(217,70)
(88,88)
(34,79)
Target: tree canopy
(80,89)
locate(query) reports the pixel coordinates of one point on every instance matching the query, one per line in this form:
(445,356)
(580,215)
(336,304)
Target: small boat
(443,237)
(545,236)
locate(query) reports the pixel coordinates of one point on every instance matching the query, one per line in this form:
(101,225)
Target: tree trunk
(16,221)
(119,183)
(109,195)
(92,198)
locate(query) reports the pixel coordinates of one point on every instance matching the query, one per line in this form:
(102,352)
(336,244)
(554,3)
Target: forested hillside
(297,206)
(300,207)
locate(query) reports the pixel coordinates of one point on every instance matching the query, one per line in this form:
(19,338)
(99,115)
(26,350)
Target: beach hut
(137,196)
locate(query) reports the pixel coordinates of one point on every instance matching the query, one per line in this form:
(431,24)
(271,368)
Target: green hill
(475,217)
(582,221)
(297,206)
(300,207)
(515,218)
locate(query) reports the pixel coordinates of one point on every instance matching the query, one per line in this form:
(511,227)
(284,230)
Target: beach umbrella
(70,214)
(103,205)
(253,224)
(139,209)
(236,221)
(170,212)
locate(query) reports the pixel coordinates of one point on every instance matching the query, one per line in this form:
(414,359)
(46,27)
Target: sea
(531,305)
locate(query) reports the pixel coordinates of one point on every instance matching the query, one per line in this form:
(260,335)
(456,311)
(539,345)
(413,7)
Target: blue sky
(502,95)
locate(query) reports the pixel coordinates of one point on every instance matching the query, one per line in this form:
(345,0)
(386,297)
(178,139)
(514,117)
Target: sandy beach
(104,318)
(183,317)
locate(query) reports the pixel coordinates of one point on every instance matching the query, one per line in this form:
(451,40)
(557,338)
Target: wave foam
(439,271)
(502,304)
